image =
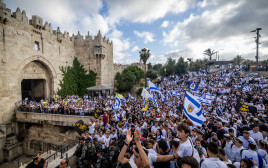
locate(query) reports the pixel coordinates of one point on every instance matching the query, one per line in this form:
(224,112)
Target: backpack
(91,152)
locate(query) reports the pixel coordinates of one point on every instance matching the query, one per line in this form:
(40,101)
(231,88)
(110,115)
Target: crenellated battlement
(36,22)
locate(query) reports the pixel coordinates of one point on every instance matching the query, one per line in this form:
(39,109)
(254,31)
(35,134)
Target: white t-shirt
(91,128)
(185,149)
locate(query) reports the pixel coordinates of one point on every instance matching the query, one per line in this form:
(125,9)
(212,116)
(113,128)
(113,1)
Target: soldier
(88,153)
(78,152)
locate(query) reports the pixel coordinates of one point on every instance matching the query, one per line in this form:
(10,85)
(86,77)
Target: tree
(76,80)
(144,56)
(127,79)
(150,66)
(209,53)
(156,67)
(138,72)
(152,74)
(190,63)
(181,67)
(238,60)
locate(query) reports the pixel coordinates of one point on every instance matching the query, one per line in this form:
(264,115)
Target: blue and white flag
(153,87)
(175,94)
(246,89)
(129,96)
(152,98)
(202,83)
(219,111)
(193,86)
(192,109)
(210,97)
(117,104)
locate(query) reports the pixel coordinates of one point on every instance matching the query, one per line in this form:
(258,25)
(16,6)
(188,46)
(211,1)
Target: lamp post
(257,43)
(165,71)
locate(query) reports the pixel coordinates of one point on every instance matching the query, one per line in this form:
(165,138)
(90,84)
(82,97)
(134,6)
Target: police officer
(78,151)
(88,153)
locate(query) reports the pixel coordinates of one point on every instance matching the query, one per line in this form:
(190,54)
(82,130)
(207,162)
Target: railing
(60,150)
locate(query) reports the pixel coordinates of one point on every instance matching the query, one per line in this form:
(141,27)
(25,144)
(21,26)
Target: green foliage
(138,72)
(139,91)
(181,67)
(128,78)
(238,60)
(150,66)
(144,56)
(156,67)
(197,64)
(152,74)
(76,80)
(208,52)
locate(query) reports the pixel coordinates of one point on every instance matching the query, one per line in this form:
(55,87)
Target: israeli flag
(153,87)
(117,104)
(210,97)
(129,96)
(192,109)
(246,89)
(219,111)
(152,98)
(202,83)
(193,86)
(175,94)
(207,101)
(199,98)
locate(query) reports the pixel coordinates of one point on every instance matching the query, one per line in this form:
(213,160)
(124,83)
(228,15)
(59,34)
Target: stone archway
(36,77)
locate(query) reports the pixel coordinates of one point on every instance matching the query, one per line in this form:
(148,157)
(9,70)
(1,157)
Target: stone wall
(31,49)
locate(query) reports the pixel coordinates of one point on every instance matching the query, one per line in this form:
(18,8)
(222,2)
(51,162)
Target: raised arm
(143,155)
(121,157)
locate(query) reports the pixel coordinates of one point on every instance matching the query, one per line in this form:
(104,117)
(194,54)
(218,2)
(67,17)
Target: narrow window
(36,46)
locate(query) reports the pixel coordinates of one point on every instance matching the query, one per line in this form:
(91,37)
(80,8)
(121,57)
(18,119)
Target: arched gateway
(36,77)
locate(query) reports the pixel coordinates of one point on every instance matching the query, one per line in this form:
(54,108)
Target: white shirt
(236,157)
(257,135)
(228,149)
(212,163)
(185,149)
(246,142)
(91,128)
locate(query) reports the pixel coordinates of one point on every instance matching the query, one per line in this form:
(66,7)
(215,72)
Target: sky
(169,28)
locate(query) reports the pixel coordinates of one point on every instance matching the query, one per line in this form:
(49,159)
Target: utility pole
(257,42)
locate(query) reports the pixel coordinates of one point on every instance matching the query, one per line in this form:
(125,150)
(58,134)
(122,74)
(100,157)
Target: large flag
(145,94)
(121,97)
(129,96)
(152,98)
(246,89)
(192,109)
(193,86)
(117,104)
(153,87)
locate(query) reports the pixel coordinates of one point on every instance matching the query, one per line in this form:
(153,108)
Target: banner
(80,127)
(245,108)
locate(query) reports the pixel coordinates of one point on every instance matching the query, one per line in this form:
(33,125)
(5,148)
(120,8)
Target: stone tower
(31,53)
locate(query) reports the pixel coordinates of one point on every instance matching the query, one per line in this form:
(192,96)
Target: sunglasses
(61,163)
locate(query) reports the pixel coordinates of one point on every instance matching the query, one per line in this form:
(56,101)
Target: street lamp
(257,43)
(165,71)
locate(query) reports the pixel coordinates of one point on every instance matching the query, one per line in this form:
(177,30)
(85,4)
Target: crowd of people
(162,136)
